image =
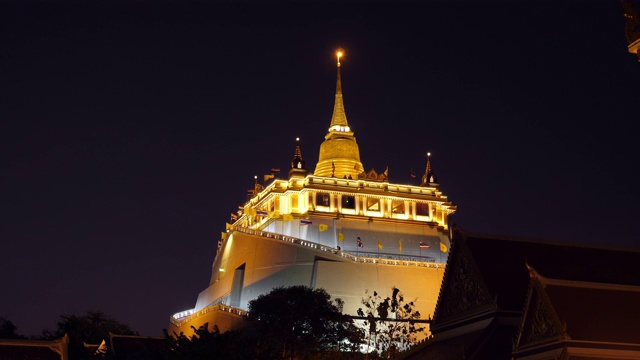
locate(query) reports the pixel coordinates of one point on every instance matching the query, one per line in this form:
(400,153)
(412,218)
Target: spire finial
(297,164)
(429,178)
(339,118)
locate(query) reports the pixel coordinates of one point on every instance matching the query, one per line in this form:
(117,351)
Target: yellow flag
(250,211)
(229,226)
(340,237)
(223,236)
(400,245)
(322,227)
(287,217)
(443,247)
(379,245)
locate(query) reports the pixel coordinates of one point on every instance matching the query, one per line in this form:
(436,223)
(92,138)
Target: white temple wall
(269,263)
(349,281)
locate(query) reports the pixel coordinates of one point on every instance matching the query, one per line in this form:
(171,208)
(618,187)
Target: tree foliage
(8,330)
(300,322)
(205,344)
(91,328)
(391,322)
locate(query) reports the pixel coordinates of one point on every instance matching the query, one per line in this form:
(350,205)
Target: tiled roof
(34,349)
(132,344)
(597,313)
(12,352)
(502,262)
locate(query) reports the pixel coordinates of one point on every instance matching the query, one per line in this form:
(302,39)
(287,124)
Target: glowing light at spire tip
(339,54)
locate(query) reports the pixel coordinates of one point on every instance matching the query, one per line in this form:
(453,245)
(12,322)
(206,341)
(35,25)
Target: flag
(275,170)
(360,244)
(287,217)
(234,216)
(267,177)
(229,226)
(443,247)
(261,212)
(305,222)
(379,245)
(400,246)
(223,235)
(423,245)
(340,237)
(322,227)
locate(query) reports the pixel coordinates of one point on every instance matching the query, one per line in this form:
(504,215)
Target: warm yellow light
(297,139)
(428,154)
(339,54)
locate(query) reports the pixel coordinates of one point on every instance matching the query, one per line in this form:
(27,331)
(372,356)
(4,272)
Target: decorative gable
(373,175)
(464,293)
(540,323)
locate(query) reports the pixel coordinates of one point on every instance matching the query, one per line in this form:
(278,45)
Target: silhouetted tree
(301,322)
(205,344)
(390,336)
(90,328)
(8,330)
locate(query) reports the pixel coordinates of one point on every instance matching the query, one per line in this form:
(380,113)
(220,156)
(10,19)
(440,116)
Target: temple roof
(592,291)
(135,345)
(502,262)
(594,311)
(21,349)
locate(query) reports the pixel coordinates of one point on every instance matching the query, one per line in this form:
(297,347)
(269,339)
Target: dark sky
(128,133)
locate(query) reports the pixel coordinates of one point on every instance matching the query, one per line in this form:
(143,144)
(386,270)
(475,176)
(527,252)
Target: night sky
(129,133)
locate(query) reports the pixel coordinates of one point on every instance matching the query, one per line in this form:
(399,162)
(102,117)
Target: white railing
(367,257)
(178,318)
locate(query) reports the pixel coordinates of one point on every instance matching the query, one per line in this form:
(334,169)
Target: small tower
(297,164)
(429,178)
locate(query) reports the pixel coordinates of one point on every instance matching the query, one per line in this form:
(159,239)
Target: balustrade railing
(366,257)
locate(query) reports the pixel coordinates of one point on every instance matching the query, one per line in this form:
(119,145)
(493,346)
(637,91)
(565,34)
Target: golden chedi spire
(339,152)
(339,117)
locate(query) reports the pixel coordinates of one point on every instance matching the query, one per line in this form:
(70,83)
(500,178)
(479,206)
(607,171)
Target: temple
(339,228)
(484,296)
